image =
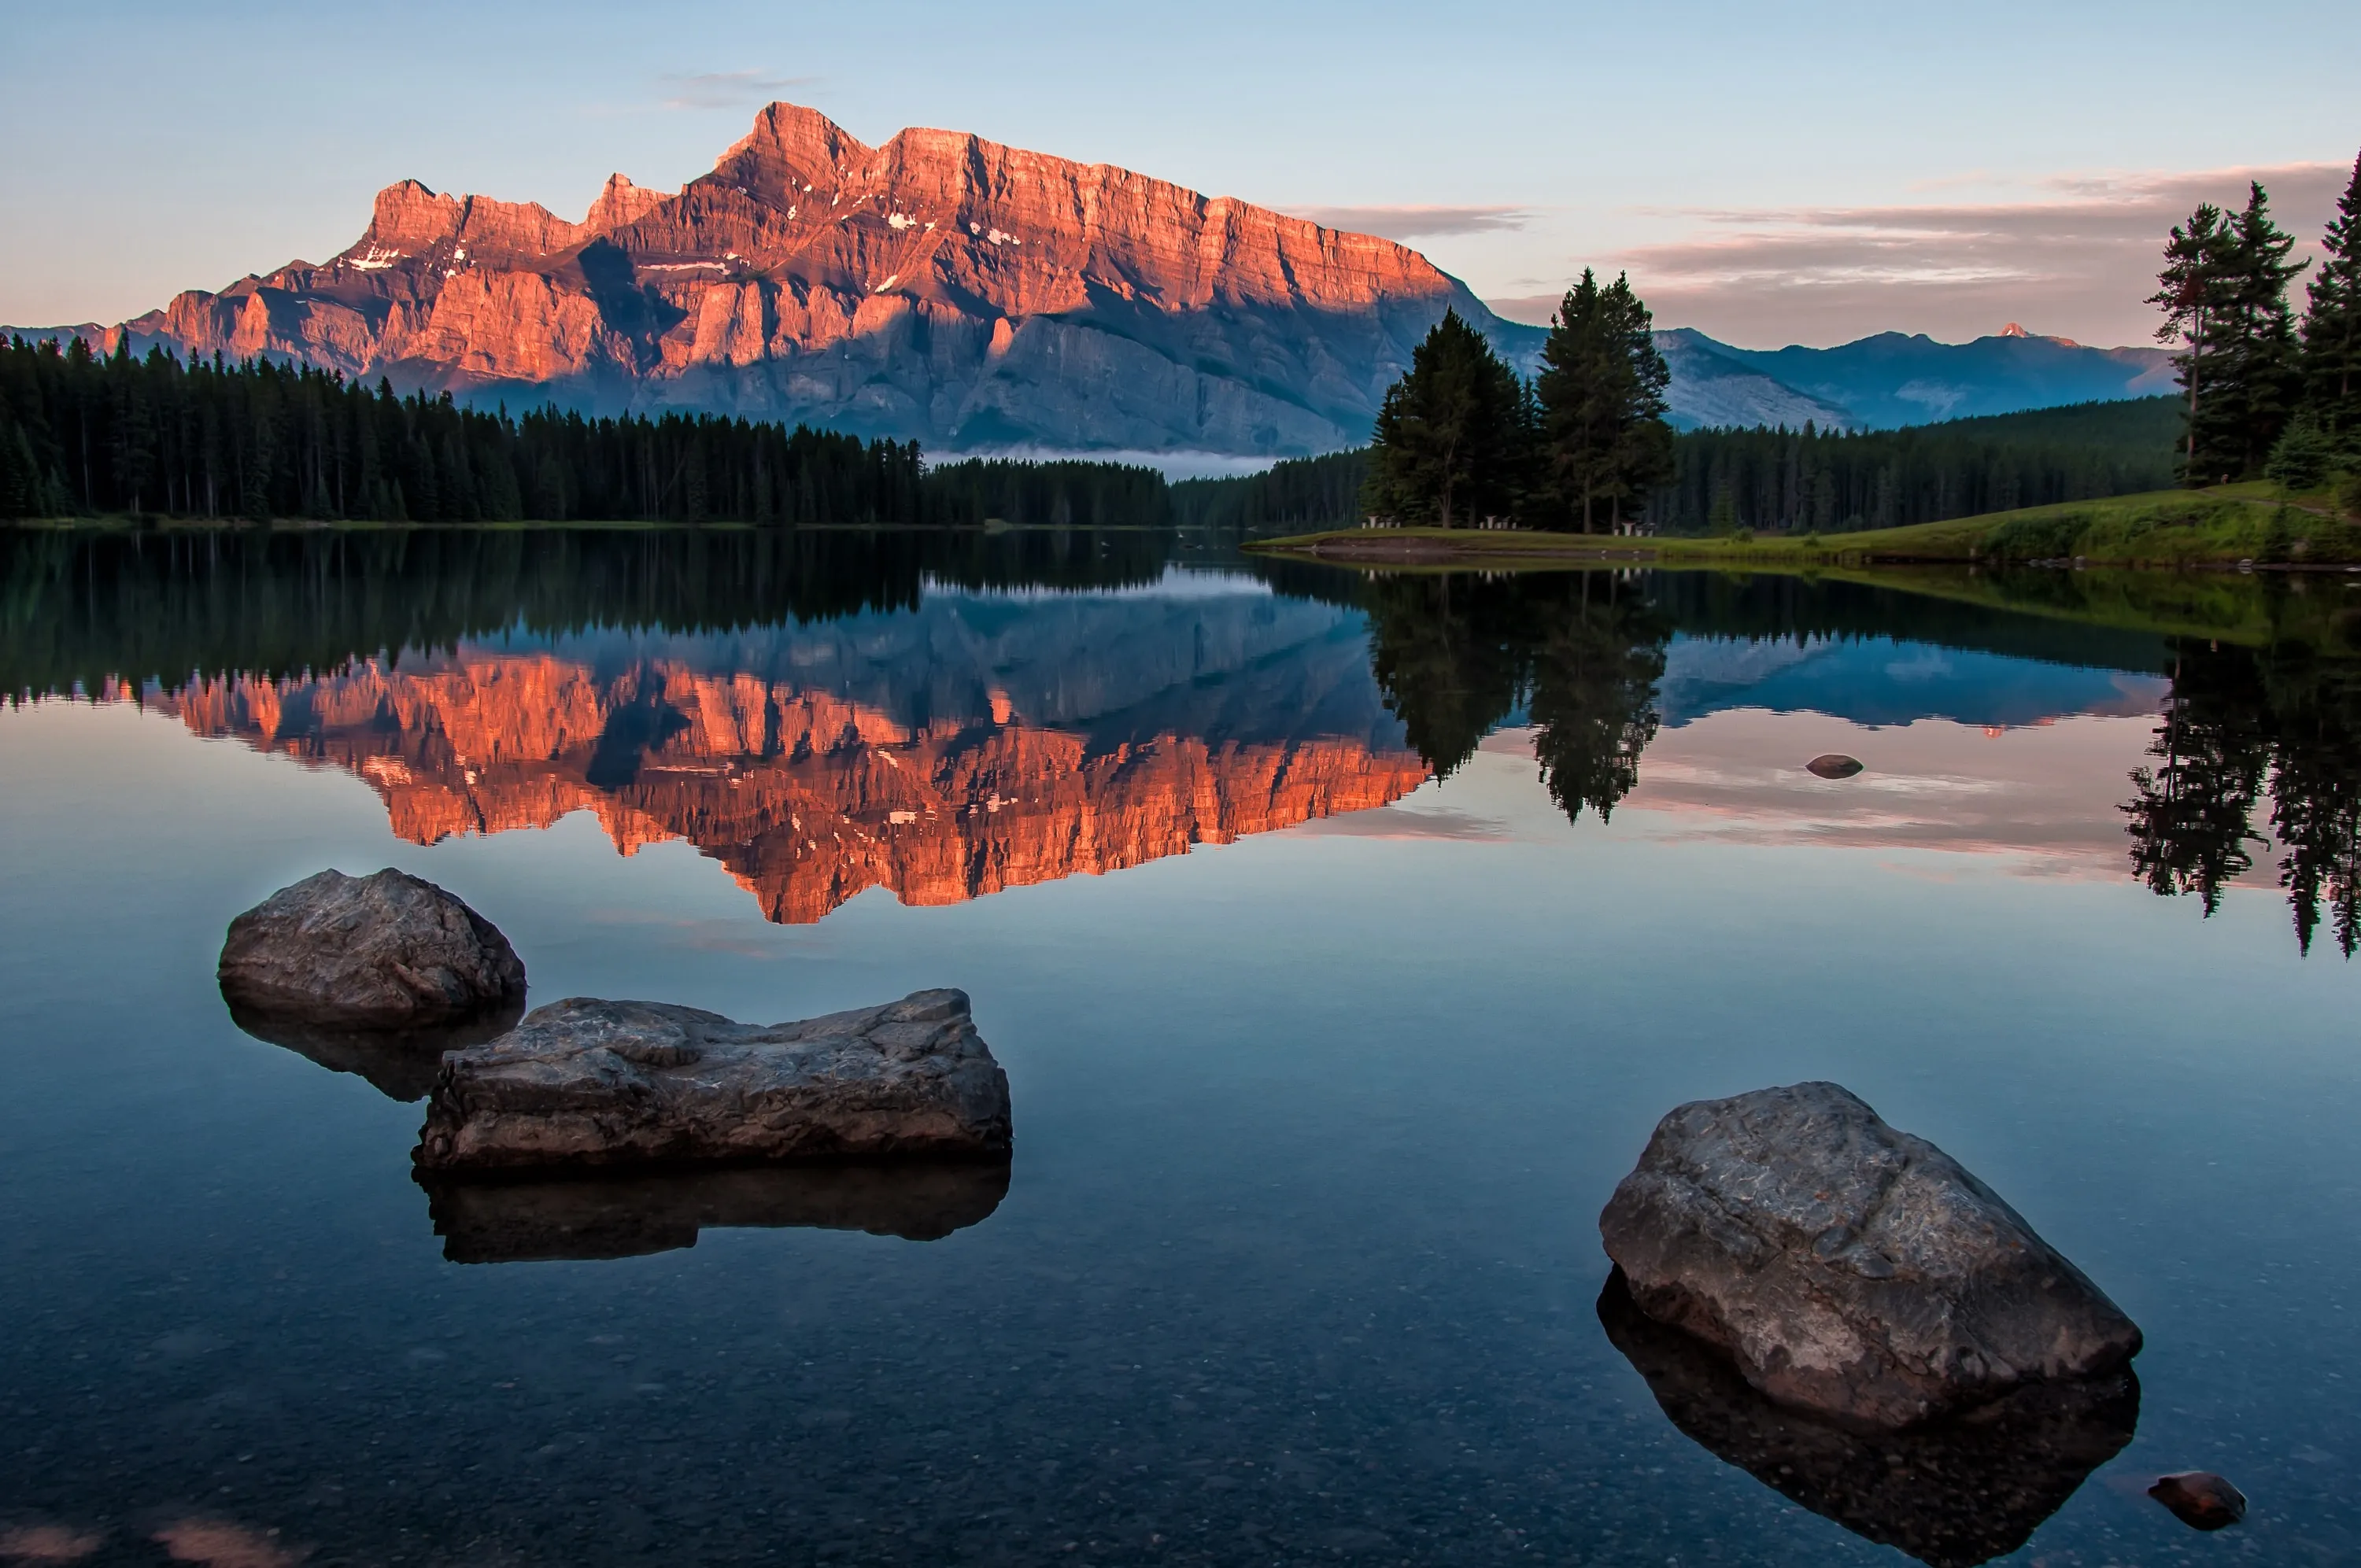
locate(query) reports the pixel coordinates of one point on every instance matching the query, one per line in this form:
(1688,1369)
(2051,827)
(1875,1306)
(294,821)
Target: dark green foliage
(1454,438)
(1297,495)
(2332,324)
(1055,495)
(1834,482)
(2223,294)
(2304,457)
(1605,445)
(258,440)
(2193,292)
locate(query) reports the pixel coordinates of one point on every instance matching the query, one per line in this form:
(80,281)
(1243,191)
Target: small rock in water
(384,951)
(1848,1267)
(1833,765)
(586,1082)
(2200,1499)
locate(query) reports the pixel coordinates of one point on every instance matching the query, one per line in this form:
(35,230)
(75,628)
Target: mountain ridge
(937,287)
(973,296)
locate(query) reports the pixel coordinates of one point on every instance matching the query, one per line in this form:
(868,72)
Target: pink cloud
(2077,263)
(1414,222)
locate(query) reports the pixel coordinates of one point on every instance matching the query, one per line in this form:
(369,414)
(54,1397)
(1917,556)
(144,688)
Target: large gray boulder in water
(384,951)
(1847,1267)
(586,1083)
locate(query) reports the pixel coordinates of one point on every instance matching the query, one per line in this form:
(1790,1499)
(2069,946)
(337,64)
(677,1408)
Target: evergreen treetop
(1453,436)
(2332,322)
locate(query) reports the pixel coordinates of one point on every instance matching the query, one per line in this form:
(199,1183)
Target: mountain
(978,297)
(1711,386)
(1893,379)
(940,287)
(974,743)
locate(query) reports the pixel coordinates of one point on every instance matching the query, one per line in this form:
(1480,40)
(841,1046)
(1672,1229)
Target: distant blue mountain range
(1896,379)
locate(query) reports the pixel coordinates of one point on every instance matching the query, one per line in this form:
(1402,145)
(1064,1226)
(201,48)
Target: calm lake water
(1343,939)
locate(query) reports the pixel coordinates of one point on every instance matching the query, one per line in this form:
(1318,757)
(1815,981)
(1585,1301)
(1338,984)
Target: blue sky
(1771,173)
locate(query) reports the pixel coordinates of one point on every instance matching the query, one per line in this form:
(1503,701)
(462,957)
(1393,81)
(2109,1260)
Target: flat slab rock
(383,951)
(586,1082)
(1847,1267)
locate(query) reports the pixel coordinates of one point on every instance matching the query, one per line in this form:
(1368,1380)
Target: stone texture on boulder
(586,1082)
(384,951)
(1847,1267)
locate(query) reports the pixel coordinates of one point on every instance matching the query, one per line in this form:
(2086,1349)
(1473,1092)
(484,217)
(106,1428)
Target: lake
(1343,937)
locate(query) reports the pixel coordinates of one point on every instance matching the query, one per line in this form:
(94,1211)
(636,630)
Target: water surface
(1342,939)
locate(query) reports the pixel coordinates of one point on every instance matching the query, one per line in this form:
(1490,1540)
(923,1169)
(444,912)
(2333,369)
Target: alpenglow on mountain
(973,297)
(938,287)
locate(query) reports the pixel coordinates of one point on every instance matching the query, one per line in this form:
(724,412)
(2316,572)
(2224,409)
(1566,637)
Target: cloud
(727,89)
(2077,258)
(1414,222)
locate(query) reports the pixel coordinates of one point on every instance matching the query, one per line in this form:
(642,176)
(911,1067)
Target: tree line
(1462,438)
(2264,395)
(1833,482)
(85,434)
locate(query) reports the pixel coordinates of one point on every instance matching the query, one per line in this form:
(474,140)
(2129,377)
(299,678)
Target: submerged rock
(1833,765)
(383,951)
(1847,1267)
(586,1082)
(628,1216)
(1951,1493)
(399,1063)
(2200,1499)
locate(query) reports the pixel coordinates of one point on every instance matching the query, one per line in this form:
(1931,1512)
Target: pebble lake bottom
(1298,1260)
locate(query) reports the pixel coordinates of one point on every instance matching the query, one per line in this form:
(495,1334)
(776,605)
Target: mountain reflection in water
(944,715)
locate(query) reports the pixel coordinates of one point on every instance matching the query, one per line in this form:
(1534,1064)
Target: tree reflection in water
(1580,653)
(2240,720)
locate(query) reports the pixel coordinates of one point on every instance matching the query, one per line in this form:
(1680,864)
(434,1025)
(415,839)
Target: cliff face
(940,287)
(807,797)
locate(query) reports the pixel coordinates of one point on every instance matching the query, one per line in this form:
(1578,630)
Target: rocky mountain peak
(938,287)
(621,202)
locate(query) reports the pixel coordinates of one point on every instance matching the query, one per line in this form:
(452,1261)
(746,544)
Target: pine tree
(1643,446)
(1451,440)
(1601,395)
(2332,324)
(2266,375)
(2193,292)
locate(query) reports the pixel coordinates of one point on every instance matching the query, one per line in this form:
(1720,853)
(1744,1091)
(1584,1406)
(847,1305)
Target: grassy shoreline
(2225,527)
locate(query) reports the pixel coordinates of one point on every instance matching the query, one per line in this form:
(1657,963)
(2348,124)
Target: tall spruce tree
(2192,290)
(2223,294)
(2332,325)
(1606,444)
(1453,439)
(2266,373)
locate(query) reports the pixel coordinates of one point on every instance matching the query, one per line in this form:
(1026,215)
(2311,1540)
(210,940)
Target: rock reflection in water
(1952,1495)
(401,1064)
(629,1216)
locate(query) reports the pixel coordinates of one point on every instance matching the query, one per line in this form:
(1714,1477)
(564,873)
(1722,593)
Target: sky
(1769,173)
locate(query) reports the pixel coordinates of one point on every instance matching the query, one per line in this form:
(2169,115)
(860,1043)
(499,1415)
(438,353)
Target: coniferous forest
(1803,481)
